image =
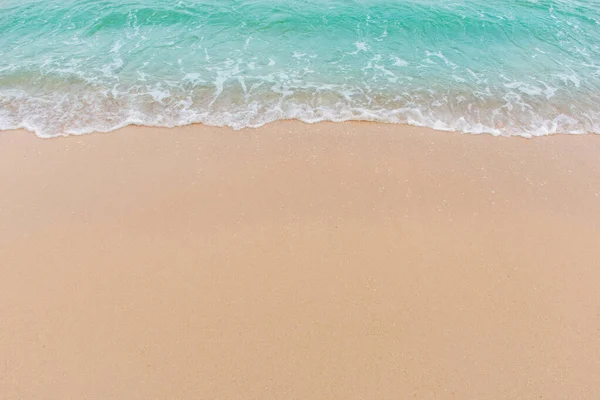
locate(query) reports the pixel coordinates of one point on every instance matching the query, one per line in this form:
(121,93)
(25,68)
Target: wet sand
(329,261)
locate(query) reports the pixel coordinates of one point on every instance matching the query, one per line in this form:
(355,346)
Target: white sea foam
(65,113)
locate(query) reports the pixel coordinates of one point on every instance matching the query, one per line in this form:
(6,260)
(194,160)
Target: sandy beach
(294,261)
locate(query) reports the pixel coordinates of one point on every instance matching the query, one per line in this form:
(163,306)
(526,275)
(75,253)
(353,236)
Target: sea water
(505,67)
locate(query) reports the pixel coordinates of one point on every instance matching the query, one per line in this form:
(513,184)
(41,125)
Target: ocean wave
(78,66)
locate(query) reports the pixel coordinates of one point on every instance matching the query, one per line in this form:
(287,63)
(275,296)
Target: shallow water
(497,66)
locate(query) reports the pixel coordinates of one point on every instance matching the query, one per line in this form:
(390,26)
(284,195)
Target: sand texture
(329,261)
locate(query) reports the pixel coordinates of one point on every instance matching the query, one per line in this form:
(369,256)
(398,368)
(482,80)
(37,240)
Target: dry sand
(330,261)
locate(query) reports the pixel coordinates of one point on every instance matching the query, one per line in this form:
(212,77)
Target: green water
(501,67)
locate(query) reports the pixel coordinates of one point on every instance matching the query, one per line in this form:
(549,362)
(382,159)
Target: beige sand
(330,261)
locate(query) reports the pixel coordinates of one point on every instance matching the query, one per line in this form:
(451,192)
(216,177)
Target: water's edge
(324,122)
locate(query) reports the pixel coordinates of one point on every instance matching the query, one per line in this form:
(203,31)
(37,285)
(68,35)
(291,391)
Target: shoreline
(401,126)
(308,261)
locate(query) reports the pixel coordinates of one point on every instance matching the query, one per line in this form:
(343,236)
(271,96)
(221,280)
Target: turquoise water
(497,66)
